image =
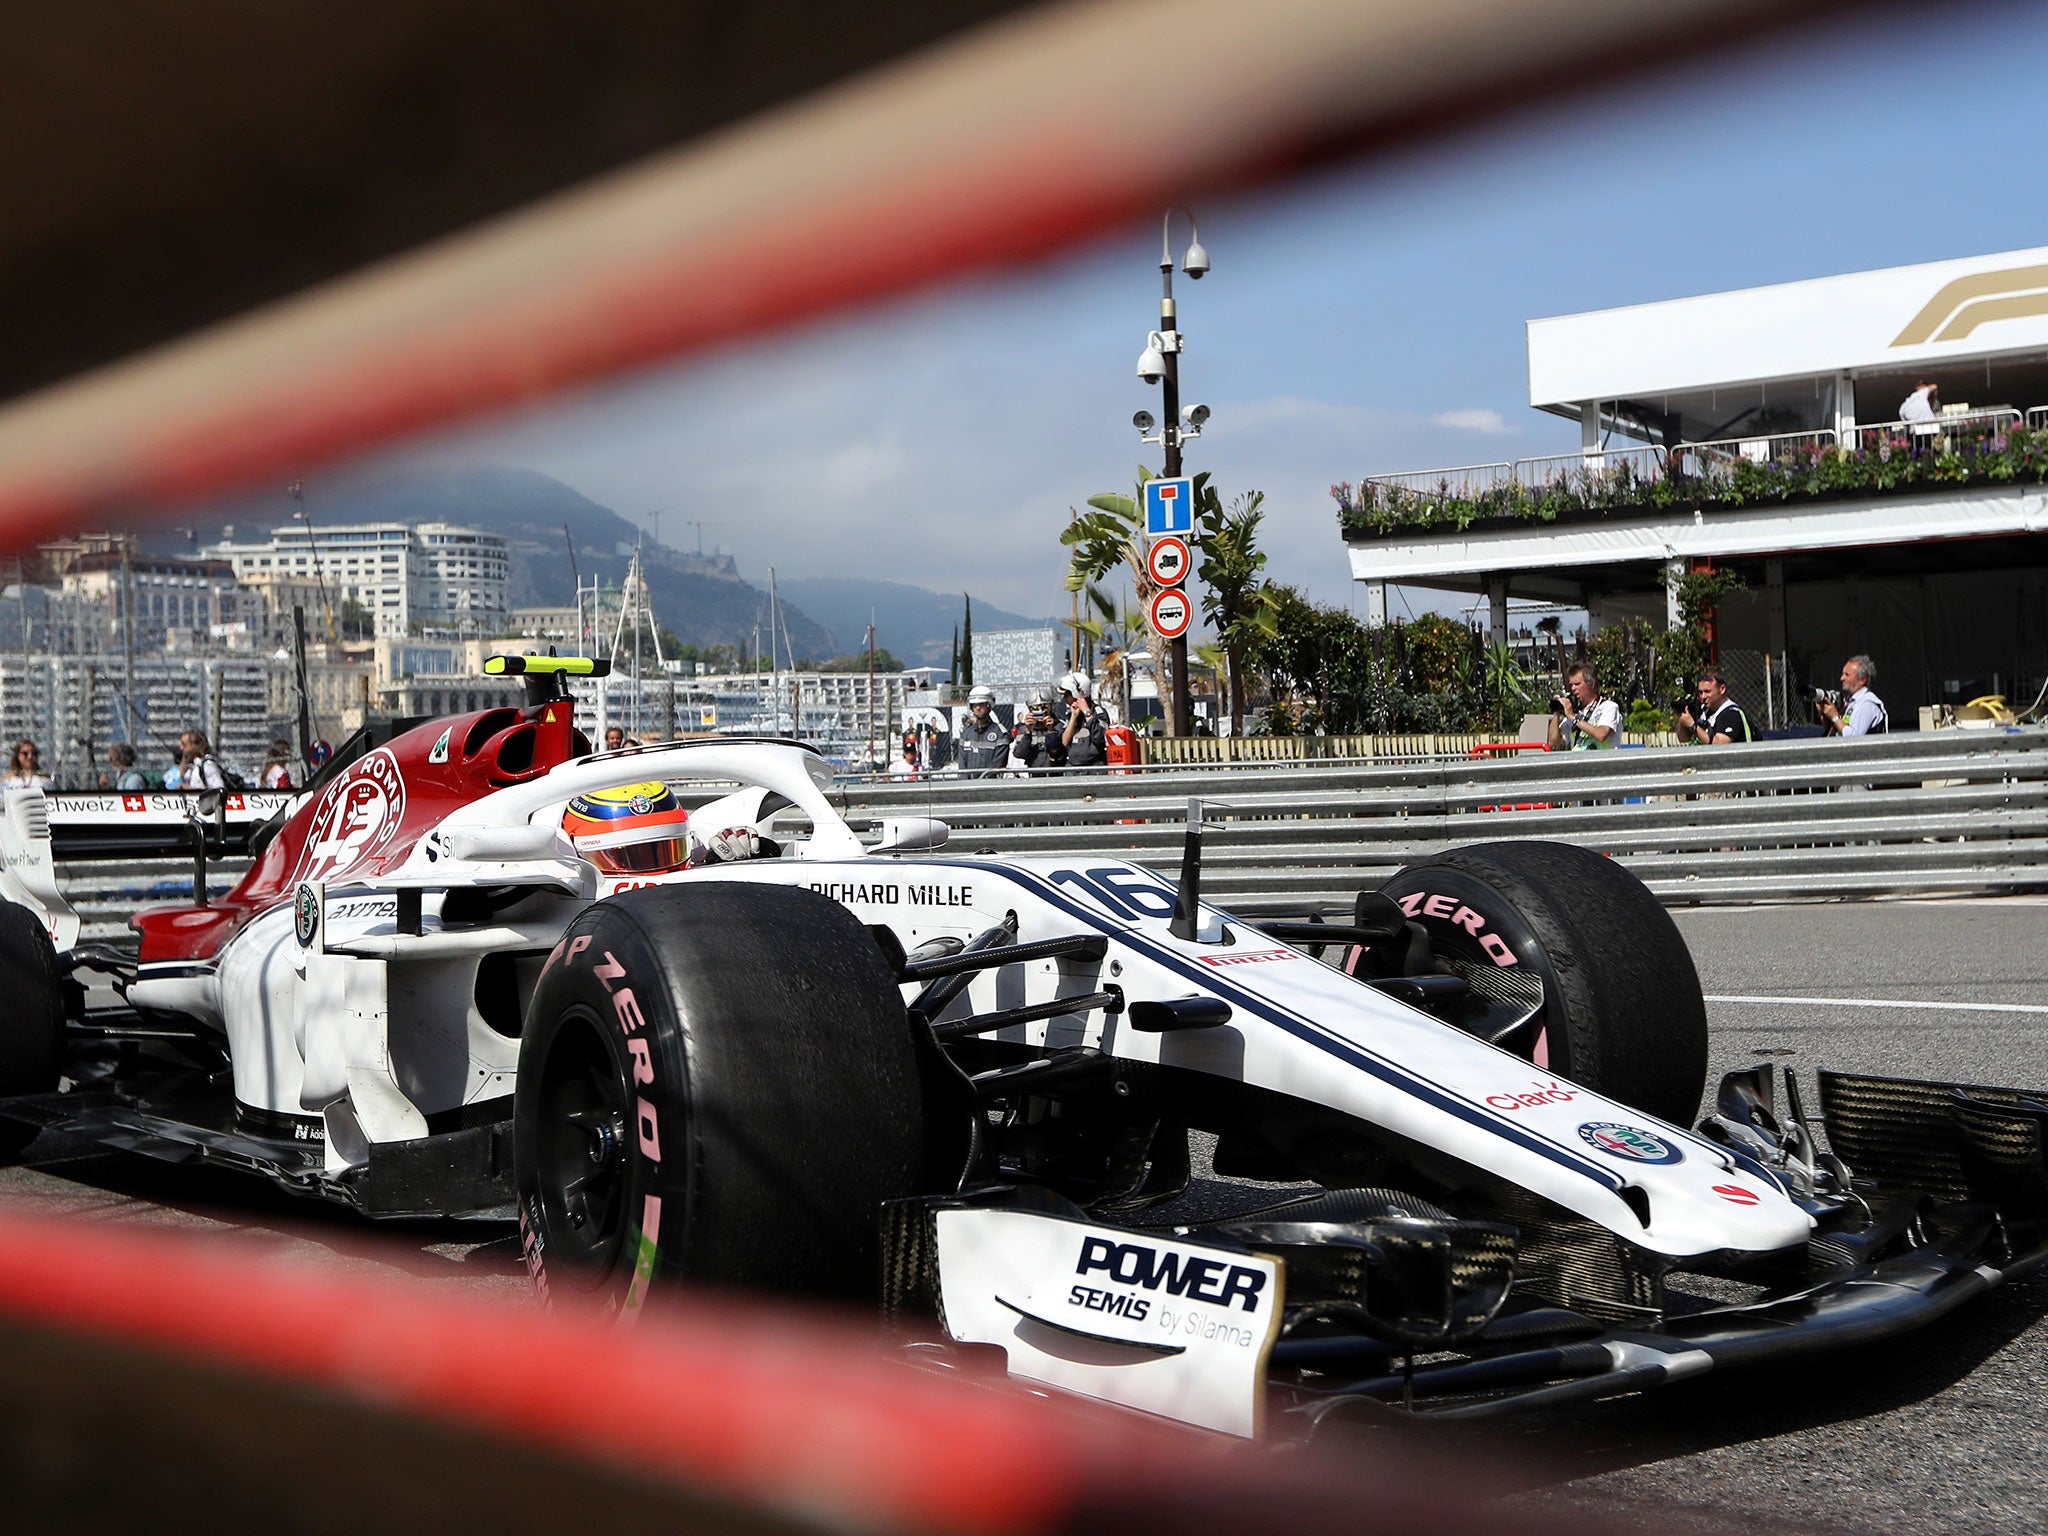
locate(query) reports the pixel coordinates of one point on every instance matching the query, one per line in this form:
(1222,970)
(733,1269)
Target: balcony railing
(1960,448)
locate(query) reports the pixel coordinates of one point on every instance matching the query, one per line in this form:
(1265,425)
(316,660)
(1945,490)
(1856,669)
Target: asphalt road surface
(1940,1432)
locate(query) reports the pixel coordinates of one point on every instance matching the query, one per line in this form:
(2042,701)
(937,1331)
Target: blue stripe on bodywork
(1306,1029)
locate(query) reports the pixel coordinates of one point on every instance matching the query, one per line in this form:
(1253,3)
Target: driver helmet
(634,829)
(980,695)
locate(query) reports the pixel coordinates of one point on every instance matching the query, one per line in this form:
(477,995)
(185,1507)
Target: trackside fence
(1915,813)
(1935,811)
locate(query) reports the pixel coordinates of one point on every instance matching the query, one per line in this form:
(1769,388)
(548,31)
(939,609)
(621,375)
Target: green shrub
(1799,473)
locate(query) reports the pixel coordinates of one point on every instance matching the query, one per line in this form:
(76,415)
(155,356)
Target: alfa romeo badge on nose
(1629,1141)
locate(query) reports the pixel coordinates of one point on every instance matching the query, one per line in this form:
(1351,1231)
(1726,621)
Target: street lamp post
(1160,363)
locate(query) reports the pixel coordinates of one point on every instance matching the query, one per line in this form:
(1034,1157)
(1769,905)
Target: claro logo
(1538,1094)
(1430,904)
(1968,302)
(1178,1274)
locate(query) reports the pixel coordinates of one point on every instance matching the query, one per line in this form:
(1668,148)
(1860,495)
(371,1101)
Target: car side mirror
(517,844)
(911,834)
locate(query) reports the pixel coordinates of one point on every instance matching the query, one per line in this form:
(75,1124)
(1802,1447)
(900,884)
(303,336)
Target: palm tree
(1506,684)
(1112,534)
(1237,603)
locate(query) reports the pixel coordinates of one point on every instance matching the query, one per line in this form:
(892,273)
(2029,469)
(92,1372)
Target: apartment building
(407,578)
(177,601)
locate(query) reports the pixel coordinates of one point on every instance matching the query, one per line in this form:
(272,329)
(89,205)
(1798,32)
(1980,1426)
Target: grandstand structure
(1763,431)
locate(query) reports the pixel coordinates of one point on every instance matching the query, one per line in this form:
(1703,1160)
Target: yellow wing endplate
(569,666)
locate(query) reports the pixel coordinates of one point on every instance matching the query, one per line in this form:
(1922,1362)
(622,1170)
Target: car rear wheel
(32,1022)
(1622,1012)
(718,1083)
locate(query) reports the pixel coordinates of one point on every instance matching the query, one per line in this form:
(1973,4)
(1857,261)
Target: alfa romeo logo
(1629,1141)
(305,915)
(356,818)
(641,805)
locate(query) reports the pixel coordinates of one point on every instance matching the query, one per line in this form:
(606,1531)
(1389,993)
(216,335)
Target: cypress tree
(967,643)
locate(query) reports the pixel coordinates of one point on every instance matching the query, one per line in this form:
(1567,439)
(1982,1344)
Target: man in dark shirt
(1085,730)
(1719,720)
(1036,744)
(984,744)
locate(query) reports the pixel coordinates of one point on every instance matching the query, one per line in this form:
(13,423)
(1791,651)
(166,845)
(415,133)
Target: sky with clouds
(1368,319)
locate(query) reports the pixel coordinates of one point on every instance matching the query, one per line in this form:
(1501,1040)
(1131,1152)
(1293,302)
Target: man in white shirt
(1590,723)
(1861,712)
(1921,411)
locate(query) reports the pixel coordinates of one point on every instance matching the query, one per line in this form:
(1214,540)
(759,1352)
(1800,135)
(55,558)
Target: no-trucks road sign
(1166,562)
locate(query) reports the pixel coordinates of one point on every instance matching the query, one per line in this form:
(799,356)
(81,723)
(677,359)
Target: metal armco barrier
(1946,811)
(1936,811)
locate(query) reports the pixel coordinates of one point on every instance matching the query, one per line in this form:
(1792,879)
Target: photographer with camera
(1084,734)
(1035,744)
(1719,719)
(1858,711)
(1587,722)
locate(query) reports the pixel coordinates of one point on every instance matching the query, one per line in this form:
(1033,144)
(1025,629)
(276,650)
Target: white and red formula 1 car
(479,971)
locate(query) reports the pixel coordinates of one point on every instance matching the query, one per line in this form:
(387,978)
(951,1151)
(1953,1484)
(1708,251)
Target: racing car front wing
(1929,1194)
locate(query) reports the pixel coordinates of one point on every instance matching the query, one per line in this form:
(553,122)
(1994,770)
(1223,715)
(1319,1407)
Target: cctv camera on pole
(1159,364)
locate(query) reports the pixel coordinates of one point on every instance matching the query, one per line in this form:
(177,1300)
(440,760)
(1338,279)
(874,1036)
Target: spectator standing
(1719,720)
(984,744)
(1589,723)
(1083,735)
(1861,712)
(122,773)
(1921,412)
(1037,744)
(202,770)
(906,766)
(277,767)
(25,767)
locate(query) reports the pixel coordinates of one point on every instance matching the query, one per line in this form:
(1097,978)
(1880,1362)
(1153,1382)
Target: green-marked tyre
(717,1083)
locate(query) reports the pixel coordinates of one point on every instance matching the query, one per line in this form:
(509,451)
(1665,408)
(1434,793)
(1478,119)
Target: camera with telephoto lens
(1560,703)
(1827,696)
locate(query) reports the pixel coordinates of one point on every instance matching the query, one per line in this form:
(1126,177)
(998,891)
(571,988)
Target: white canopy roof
(1937,314)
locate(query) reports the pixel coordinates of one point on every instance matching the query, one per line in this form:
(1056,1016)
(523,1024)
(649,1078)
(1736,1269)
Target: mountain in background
(702,598)
(913,622)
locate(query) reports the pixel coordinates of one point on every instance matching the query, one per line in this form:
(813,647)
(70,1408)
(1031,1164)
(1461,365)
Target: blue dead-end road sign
(1169,508)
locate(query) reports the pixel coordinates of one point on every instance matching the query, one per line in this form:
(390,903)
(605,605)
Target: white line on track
(1884,1002)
